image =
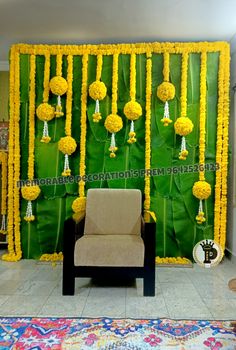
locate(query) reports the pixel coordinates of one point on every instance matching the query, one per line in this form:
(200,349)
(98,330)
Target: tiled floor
(32,288)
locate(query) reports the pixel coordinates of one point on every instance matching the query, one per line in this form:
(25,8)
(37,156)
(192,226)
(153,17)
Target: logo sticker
(207,253)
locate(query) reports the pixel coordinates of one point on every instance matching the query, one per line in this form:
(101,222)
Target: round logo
(207,253)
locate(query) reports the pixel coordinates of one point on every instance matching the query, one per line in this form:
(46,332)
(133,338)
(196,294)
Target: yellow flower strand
(175,261)
(219,147)
(53,258)
(110,49)
(59,65)
(99,67)
(225,141)
(147,201)
(10,219)
(3,161)
(69,96)
(114,83)
(184,80)
(133,77)
(31,118)
(83,124)
(202,117)
(46,77)
(166,66)
(18,250)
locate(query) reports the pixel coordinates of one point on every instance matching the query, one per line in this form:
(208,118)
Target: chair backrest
(113,211)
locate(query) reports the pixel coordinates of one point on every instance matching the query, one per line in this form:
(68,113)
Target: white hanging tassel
(183,151)
(67,170)
(3,227)
(45,138)
(201,216)
(132,133)
(29,212)
(113,147)
(97,115)
(59,112)
(166,118)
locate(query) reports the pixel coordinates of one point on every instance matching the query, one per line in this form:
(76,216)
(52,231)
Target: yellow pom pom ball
(113,123)
(45,112)
(79,204)
(166,91)
(58,85)
(30,193)
(132,110)
(67,145)
(201,190)
(183,126)
(97,90)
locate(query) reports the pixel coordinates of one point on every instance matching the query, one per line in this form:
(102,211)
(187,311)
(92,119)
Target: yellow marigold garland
(113,122)
(173,261)
(147,201)
(58,85)
(132,109)
(219,149)
(67,144)
(54,258)
(202,189)
(80,202)
(224,163)
(45,111)
(166,90)
(11,256)
(98,90)
(3,161)
(183,125)
(30,193)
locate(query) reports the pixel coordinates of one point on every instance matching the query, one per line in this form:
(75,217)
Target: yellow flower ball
(30,193)
(201,190)
(67,145)
(58,85)
(132,110)
(113,123)
(79,204)
(166,91)
(183,126)
(45,112)
(97,90)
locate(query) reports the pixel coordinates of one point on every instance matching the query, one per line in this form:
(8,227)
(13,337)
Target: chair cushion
(109,250)
(113,211)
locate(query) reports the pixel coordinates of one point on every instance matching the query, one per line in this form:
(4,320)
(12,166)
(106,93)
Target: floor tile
(222,309)
(188,308)
(146,307)
(19,305)
(9,287)
(70,306)
(104,306)
(35,288)
(180,291)
(171,276)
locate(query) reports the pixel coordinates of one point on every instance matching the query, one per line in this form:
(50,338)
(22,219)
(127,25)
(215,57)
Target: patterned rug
(117,334)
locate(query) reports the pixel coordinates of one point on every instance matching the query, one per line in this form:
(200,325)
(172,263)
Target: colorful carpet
(117,334)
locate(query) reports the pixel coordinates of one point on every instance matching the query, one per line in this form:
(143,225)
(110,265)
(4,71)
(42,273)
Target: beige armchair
(112,240)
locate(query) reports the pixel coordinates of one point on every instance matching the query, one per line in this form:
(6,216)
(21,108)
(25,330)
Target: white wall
(231,227)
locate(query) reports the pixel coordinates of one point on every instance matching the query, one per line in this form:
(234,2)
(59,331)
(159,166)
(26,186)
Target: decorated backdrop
(150,116)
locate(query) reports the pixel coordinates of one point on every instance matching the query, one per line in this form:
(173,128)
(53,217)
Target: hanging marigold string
(79,203)
(10,256)
(67,145)
(98,90)
(147,189)
(183,125)
(58,86)
(201,188)
(30,193)
(225,141)
(132,109)
(166,90)
(113,122)
(3,161)
(219,149)
(45,112)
